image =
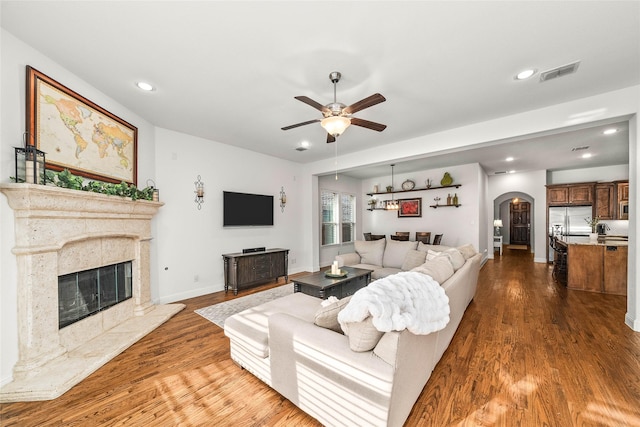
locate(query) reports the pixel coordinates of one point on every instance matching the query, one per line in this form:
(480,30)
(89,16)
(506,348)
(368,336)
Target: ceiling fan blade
(330,138)
(312,103)
(370,101)
(367,124)
(300,124)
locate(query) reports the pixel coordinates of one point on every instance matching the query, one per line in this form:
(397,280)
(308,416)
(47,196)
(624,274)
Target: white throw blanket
(407,300)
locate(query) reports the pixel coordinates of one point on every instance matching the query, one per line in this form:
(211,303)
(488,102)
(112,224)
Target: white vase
(593,236)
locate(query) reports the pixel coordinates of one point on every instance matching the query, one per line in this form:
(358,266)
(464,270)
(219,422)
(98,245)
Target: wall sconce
(497,223)
(30,163)
(283,199)
(199,192)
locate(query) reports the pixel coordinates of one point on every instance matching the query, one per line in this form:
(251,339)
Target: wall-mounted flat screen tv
(242,209)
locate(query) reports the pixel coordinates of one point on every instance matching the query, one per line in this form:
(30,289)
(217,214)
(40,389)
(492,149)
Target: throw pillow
(457,259)
(363,336)
(467,251)
(413,259)
(387,347)
(440,269)
(396,251)
(370,252)
(432,254)
(327,317)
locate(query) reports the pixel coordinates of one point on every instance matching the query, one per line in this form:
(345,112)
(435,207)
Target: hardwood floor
(527,353)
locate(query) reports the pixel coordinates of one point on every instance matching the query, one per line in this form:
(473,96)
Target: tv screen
(247,209)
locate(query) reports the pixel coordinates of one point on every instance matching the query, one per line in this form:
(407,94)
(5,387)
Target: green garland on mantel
(66,179)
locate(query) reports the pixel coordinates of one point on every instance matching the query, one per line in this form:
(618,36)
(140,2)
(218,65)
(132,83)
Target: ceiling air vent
(584,147)
(499,172)
(301,148)
(559,72)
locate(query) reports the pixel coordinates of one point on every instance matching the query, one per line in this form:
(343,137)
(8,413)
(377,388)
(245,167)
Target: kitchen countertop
(606,240)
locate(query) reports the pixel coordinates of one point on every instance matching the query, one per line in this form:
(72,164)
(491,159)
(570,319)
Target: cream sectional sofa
(314,367)
(386,257)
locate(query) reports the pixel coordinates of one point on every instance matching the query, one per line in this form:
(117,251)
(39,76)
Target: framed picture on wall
(77,134)
(410,208)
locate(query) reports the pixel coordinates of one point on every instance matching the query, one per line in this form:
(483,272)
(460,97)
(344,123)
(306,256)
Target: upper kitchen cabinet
(622,199)
(605,200)
(570,194)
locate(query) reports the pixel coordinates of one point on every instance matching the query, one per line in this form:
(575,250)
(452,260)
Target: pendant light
(392,205)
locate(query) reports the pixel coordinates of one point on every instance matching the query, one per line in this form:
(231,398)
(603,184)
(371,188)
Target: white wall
(348,185)
(459,226)
(599,174)
(15,56)
(192,241)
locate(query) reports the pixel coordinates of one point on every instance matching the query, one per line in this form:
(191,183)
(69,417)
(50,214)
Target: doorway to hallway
(520,223)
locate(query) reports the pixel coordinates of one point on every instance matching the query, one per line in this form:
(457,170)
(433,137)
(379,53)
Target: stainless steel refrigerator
(569,221)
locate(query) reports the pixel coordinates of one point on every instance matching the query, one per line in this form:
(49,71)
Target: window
(338,217)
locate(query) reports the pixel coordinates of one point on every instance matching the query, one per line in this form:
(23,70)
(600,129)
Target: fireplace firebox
(85,293)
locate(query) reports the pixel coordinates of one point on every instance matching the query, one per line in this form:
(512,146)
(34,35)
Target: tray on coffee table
(321,286)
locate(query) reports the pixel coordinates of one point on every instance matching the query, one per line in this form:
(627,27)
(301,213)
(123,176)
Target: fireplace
(87,292)
(83,241)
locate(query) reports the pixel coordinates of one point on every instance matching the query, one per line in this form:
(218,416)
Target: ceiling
(228,71)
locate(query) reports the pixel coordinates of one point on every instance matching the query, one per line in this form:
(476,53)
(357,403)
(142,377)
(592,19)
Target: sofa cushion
(413,259)
(379,273)
(467,251)
(431,254)
(363,336)
(440,269)
(250,328)
(371,252)
(395,253)
(327,316)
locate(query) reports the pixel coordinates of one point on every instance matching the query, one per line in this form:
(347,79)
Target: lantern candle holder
(30,165)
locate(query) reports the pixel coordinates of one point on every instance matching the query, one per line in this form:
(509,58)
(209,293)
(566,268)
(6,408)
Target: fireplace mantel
(60,231)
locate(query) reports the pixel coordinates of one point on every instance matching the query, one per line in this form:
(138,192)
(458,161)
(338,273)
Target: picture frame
(78,135)
(410,208)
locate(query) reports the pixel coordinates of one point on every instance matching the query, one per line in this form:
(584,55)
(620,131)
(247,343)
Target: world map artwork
(74,135)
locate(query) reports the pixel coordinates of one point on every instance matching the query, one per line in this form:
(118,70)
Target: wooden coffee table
(321,286)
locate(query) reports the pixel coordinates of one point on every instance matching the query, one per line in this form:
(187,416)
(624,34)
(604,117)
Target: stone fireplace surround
(60,231)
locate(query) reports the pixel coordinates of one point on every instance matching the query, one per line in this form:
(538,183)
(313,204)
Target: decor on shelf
(428,183)
(199,192)
(372,203)
(448,199)
(389,188)
(77,134)
(437,200)
(497,223)
(155,193)
(375,188)
(65,179)
(30,163)
(455,199)
(410,208)
(408,185)
(283,199)
(446,180)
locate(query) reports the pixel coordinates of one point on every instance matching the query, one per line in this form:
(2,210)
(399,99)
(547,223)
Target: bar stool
(559,273)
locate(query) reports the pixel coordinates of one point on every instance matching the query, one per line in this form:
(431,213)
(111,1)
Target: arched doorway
(516,210)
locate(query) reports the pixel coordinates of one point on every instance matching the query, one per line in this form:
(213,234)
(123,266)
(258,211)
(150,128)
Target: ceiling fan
(337,116)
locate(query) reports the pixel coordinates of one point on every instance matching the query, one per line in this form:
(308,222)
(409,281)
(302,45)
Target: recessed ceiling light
(511,171)
(610,131)
(586,155)
(145,86)
(509,159)
(525,74)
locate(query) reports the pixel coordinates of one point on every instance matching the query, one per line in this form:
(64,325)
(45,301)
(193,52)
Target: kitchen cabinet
(615,268)
(622,200)
(597,267)
(604,201)
(570,194)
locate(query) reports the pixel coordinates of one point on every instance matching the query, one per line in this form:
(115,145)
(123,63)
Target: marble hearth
(60,231)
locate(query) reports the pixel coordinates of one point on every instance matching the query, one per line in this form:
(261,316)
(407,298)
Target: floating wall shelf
(416,189)
(445,206)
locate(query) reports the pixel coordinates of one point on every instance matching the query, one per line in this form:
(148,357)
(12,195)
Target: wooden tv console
(247,269)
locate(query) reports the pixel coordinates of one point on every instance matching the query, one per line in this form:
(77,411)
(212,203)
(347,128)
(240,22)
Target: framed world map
(77,134)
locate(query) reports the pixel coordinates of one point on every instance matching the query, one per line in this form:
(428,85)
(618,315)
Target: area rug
(520,247)
(217,313)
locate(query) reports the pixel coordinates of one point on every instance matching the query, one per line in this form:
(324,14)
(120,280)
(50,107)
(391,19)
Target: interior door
(520,231)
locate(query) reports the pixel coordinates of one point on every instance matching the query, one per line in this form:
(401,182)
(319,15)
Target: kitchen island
(596,265)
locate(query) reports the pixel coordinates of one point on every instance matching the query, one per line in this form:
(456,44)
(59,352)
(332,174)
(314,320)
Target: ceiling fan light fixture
(335,125)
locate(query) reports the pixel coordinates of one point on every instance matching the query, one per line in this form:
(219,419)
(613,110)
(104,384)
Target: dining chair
(399,238)
(367,236)
(377,236)
(437,239)
(423,236)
